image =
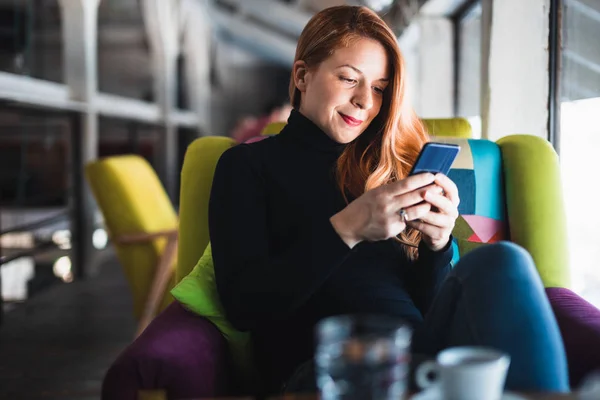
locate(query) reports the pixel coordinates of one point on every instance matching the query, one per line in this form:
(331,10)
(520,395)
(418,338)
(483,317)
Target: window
(580,140)
(124,62)
(30,39)
(468,65)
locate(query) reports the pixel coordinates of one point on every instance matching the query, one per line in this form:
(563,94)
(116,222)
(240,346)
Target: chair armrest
(134,238)
(535,205)
(179,353)
(163,272)
(579,323)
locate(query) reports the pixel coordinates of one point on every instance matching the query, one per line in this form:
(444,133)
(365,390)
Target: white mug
(465,373)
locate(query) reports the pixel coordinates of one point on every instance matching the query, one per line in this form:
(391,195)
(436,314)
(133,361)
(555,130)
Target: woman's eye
(348,80)
(378,90)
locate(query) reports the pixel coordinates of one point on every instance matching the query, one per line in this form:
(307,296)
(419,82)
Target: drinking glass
(362,357)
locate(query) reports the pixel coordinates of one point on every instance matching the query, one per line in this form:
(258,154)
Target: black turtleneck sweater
(279,264)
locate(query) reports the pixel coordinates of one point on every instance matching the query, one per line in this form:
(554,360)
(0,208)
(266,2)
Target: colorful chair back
(511,190)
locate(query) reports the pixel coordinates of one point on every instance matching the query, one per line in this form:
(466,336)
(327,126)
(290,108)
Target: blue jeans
(493,297)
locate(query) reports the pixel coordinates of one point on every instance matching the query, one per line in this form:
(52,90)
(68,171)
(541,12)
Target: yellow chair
(449,127)
(273,128)
(142,223)
(442,127)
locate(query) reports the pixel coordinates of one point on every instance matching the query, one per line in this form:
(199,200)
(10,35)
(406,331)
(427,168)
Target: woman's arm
(425,275)
(254,283)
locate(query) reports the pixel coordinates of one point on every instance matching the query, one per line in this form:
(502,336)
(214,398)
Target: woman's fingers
(440,221)
(411,198)
(431,231)
(449,188)
(409,184)
(416,211)
(442,203)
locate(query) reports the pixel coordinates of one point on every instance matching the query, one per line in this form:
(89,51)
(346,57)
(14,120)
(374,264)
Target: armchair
(509,190)
(143,226)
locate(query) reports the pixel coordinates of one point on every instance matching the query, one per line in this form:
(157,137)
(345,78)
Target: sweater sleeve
(254,284)
(427,273)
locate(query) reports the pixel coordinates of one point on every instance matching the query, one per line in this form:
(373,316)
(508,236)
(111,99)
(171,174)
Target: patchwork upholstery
(535,205)
(511,190)
(478,174)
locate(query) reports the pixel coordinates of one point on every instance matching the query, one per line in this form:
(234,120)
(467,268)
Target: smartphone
(435,158)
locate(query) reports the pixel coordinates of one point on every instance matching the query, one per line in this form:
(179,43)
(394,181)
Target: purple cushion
(180,352)
(579,323)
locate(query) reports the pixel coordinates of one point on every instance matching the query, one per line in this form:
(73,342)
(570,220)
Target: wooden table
(528,396)
(532,396)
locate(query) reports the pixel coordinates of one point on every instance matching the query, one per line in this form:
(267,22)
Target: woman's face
(344,93)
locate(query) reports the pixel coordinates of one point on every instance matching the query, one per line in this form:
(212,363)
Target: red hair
(388,148)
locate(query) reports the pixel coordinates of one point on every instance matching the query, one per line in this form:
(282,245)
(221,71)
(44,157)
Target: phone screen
(436,158)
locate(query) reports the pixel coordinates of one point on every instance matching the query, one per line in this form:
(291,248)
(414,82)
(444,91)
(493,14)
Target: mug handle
(422,375)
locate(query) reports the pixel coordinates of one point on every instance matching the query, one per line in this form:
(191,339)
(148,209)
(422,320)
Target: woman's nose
(363,98)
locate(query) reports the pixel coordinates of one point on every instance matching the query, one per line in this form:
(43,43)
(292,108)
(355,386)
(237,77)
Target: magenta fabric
(179,352)
(579,323)
(187,356)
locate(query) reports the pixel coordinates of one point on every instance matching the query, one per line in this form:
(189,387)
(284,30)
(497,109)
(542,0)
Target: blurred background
(83,79)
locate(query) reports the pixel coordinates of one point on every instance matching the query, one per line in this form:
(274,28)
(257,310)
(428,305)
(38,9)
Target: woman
(323,220)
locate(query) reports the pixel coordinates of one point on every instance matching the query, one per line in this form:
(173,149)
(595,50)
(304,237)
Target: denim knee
(497,259)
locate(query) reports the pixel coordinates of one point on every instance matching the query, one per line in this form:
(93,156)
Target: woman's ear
(300,71)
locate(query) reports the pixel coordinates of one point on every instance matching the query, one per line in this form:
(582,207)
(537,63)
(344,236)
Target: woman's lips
(351,121)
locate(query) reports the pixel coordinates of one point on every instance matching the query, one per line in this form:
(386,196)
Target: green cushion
(198,293)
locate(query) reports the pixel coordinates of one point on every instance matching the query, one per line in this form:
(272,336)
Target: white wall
(515,82)
(514,64)
(409,47)
(245,85)
(436,68)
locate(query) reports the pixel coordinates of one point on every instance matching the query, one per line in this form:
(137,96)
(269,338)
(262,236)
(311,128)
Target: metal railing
(33,96)
(60,216)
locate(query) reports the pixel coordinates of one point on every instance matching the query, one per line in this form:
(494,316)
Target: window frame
(554,72)
(457,18)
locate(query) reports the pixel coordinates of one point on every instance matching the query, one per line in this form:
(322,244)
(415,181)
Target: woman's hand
(436,225)
(375,215)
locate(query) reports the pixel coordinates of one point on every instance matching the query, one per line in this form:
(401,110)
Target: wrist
(344,230)
(438,245)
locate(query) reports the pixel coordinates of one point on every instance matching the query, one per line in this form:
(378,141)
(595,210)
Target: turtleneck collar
(303,129)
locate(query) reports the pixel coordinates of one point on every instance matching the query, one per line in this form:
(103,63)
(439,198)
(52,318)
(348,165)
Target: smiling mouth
(351,121)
